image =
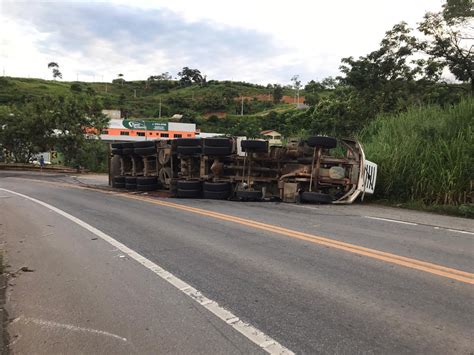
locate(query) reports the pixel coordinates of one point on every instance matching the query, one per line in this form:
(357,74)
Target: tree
(120,79)
(55,70)
(450,40)
(313,87)
(76,88)
(49,122)
(458,9)
(189,76)
(277,93)
(296,85)
(122,103)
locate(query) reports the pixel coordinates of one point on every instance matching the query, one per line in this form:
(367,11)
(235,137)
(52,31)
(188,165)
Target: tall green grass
(425,154)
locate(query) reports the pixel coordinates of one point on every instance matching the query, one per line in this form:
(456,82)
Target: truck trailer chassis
(320,169)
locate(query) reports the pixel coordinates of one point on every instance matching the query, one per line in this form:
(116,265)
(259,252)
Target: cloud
(106,39)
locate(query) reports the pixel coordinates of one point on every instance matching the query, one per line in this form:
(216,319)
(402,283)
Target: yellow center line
(435,269)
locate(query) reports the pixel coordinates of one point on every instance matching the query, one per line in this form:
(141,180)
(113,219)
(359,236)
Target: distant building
(273,137)
(140,130)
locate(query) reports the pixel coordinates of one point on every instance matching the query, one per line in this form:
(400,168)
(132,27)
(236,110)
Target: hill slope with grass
(142,98)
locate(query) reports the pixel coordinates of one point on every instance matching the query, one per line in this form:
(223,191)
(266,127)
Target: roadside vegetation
(414,123)
(425,157)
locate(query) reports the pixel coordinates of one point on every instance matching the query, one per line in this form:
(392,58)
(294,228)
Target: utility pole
(3,71)
(77,76)
(242,107)
(135,93)
(105,87)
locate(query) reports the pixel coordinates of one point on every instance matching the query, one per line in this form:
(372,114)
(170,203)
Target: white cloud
(284,38)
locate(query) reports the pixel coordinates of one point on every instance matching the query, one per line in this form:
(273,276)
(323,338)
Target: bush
(424,154)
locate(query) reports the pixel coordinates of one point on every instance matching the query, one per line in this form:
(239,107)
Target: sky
(259,41)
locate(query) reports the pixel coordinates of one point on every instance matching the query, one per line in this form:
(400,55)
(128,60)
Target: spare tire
(249,195)
(254,146)
(216,186)
(145,151)
(217,151)
(316,197)
(188,142)
(189,185)
(188,150)
(217,142)
(188,193)
(143,144)
(147,180)
(322,142)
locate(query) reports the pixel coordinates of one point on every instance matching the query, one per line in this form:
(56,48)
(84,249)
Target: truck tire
(188,193)
(143,144)
(188,142)
(131,180)
(119,185)
(127,151)
(316,197)
(145,151)
(188,150)
(254,146)
(151,187)
(191,185)
(131,186)
(322,142)
(248,195)
(217,142)
(216,186)
(147,180)
(116,151)
(217,151)
(216,195)
(119,179)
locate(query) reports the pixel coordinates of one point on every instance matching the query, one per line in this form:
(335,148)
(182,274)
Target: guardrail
(30,167)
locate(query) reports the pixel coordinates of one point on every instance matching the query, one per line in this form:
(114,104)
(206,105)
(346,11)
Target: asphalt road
(316,279)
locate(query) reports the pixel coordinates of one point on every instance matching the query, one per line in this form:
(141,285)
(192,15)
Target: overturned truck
(319,170)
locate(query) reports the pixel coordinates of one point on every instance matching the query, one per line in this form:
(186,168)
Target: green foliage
(458,9)
(425,154)
(189,76)
(46,123)
(450,41)
(277,93)
(92,155)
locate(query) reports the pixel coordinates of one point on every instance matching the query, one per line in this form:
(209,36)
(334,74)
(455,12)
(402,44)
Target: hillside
(142,98)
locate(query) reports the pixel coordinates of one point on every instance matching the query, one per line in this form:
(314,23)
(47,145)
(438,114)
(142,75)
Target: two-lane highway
(310,278)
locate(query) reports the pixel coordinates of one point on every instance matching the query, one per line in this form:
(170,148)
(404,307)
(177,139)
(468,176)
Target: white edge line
(460,231)
(392,220)
(268,344)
